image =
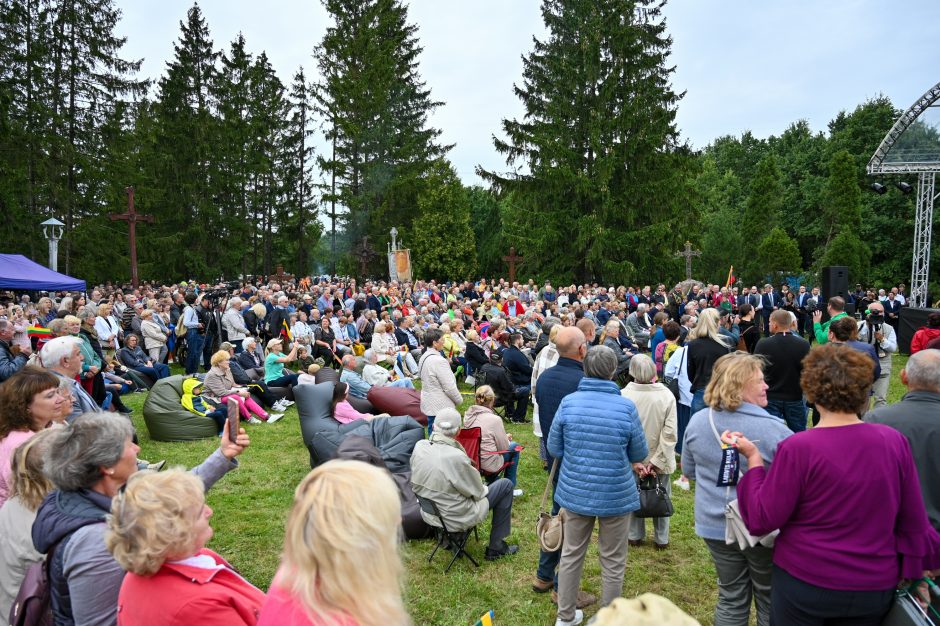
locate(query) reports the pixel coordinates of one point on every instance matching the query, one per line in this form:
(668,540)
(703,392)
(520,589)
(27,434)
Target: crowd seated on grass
(75,497)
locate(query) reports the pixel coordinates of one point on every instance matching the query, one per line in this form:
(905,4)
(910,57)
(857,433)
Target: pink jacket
(345,413)
(283,609)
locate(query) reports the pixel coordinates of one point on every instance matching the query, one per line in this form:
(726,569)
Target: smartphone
(233,418)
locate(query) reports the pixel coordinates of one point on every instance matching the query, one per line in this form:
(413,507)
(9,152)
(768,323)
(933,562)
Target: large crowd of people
(719,388)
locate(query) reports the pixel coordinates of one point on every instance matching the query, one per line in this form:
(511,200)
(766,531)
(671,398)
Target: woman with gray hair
(234,324)
(656,407)
(89,463)
(597,438)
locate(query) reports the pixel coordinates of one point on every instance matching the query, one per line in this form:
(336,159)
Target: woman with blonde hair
(154,337)
(108,329)
(340,564)
(496,445)
(706,345)
(157,531)
(28,487)
(736,396)
(46,310)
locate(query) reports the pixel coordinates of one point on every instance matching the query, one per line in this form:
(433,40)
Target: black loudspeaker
(834,281)
(912,320)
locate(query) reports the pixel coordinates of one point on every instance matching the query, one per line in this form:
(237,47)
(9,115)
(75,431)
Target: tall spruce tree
(843,212)
(185,141)
(303,230)
(375,111)
(601,192)
(761,212)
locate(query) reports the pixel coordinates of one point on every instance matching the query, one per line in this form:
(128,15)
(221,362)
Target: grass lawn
(251,506)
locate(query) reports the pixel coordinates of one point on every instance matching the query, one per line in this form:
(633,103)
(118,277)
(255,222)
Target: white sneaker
(273,417)
(682,483)
(279,405)
(253,420)
(287,402)
(578,618)
(516,493)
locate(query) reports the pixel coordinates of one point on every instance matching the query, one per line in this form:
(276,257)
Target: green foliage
(605,195)
(847,249)
(761,212)
(375,108)
(486,212)
(778,254)
(843,196)
(443,245)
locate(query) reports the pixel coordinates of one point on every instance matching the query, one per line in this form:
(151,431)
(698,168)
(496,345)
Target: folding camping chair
(456,538)
(471,439)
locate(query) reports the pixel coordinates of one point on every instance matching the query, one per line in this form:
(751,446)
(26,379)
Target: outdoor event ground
(251,504)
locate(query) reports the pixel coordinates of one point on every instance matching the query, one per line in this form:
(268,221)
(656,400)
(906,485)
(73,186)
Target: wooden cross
(688,254)
(280,277)
(512,259)
(365,254)
(131,217)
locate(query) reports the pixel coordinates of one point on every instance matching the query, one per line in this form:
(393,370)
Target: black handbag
(654,501)
(673,383)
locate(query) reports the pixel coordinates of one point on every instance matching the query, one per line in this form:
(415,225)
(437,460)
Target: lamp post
(52,229)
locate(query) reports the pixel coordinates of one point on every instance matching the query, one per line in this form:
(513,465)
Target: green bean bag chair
(166,418)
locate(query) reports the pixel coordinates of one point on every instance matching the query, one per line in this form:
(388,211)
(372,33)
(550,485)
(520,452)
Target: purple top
(848,505)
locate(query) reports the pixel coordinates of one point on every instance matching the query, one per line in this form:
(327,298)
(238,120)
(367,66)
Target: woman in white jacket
(439,389)
(234,324)
(108,329)
(154,337)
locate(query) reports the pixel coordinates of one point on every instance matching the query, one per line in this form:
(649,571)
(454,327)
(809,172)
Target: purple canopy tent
(20,274)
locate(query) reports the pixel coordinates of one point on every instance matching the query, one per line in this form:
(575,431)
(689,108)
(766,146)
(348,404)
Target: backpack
(180,326)
(33,603)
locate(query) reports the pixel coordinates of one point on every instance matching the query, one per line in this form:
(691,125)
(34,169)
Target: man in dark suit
(770,302)
(802,297)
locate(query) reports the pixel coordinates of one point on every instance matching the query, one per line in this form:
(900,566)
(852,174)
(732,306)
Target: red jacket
(184,595)
(515,310)
(922,337)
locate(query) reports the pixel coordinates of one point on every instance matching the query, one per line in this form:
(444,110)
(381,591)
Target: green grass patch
(251,506)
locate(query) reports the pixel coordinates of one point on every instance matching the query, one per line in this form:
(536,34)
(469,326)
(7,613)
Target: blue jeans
(237,344)
(793,412)
(430,425)
(512,457)
(193,350)
(683,415)
(402,383)
(698,401)
(158,371)
(287,380)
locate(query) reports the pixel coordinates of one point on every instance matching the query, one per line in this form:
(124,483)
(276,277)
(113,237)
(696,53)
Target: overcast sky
(745,64)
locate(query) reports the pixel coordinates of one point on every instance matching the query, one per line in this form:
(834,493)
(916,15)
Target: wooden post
(131,217)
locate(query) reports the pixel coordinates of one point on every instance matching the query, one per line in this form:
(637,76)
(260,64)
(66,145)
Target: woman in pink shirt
(29,401)
(343,412)
(340,565)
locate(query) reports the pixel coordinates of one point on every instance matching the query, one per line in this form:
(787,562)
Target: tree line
(598,184)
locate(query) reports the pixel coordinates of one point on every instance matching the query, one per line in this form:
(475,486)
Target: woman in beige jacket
(656,407)
(438,384)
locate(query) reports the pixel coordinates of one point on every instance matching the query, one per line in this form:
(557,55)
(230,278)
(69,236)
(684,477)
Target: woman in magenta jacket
(157,531)
(846,498)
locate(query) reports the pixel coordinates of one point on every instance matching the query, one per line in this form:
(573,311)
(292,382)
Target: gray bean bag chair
(395,437)
(166,418)
(356,448)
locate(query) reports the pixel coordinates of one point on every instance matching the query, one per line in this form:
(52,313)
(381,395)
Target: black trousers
(794,602)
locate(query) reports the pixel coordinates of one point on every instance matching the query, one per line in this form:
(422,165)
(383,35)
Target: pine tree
(443,243)
(604,193)
(185,140)
(778,254)
(761,214)
(844,216)
(375,110)
(303,229)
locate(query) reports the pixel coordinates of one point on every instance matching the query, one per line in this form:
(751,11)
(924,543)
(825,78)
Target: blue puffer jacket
(597,435)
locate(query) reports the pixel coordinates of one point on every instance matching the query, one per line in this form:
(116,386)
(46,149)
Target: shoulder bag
(735,530)
(550,528)
(654,501)
(673,382)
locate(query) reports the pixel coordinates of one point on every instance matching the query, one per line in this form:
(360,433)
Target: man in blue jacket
(598,436)
(554,384)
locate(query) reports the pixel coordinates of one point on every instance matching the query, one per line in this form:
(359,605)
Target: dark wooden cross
(688,253)
(512,259)
(364,254)
(280,277)
(131,217)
